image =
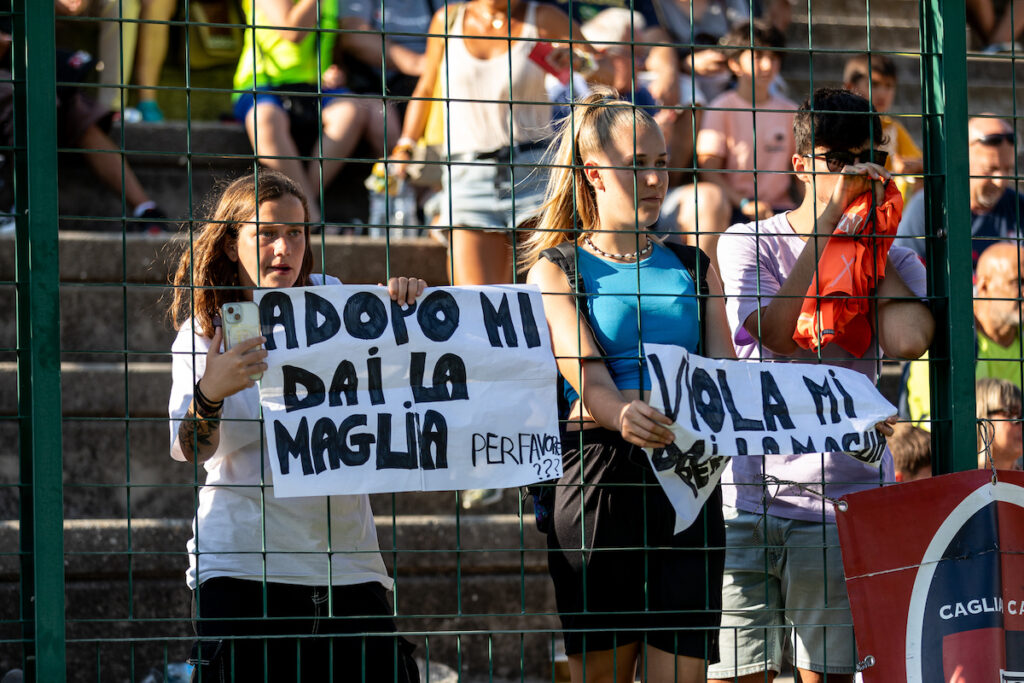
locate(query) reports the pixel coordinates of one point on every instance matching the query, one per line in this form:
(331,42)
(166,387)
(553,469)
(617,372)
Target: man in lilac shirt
(778,577)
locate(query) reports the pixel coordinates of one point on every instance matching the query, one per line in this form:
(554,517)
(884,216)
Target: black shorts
(621,575)
(239,641)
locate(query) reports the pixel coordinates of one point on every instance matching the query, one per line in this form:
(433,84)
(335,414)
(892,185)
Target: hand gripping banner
(364,396)
(731,408)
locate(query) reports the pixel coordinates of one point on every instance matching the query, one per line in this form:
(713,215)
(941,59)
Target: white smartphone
(241,322)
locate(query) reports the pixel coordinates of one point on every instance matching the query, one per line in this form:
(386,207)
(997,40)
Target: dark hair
(752,35)
(835,119)
(911,448)
(204,265)
(860,67)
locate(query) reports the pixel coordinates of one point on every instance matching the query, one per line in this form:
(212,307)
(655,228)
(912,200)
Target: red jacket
(849,268)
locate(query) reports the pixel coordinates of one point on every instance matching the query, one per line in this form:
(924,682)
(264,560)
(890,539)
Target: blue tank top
(666,310)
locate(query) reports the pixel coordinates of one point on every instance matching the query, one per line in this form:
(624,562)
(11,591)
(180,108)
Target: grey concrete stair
(115,293)
(476,588)
(179,164)
(116,443)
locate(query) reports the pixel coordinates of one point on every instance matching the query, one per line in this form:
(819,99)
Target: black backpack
(693,259)
(564,256)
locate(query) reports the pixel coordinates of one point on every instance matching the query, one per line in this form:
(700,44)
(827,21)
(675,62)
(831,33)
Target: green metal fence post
(38,315)
(944,94)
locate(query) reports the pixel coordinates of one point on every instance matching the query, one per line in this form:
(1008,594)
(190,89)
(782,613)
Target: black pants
(621,573)
(290,638)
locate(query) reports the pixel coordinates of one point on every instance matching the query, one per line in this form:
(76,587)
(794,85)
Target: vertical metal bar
(944,95)
(37,276)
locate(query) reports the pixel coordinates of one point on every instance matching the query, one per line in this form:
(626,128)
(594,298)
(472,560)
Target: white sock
(143,208)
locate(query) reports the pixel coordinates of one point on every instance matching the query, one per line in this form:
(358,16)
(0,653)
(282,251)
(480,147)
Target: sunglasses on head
(994,139)
(837,161)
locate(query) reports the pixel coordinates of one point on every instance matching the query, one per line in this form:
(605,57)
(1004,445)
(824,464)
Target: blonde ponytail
(570,205)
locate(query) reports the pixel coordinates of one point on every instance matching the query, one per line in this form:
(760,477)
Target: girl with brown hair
(631,593)
(261,566)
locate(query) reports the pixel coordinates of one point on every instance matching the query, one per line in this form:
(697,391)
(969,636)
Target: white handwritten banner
(363,396)
(725,408)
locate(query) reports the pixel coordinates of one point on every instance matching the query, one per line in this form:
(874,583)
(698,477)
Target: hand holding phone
(241,322)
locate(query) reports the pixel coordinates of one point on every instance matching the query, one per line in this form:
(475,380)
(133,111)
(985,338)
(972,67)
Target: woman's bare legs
(344,123)
(269,132)
(108,162)
(704,214)
(605,666)
(152,49)
(658,666)
(479,257)
(1010,24)
(117,40)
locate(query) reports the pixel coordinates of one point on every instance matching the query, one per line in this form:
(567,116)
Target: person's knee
(265,121)
(341,116)
(703,206)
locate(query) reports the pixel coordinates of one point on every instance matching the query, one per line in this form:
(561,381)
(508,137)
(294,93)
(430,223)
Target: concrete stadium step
(114,290)
(179,164)
(115,439)
(456,579)
(903,9)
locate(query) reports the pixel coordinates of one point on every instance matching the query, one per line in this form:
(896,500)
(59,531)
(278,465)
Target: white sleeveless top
(490,124)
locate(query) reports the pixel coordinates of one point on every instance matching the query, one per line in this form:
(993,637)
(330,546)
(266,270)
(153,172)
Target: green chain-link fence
(95,516)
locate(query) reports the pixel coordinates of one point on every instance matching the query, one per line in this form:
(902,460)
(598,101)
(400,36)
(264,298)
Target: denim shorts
(783,577)
(493,194)
(268,95)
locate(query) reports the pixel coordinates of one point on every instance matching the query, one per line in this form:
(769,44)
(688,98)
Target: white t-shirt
(241,530)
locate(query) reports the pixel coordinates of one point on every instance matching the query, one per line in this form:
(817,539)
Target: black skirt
(621,575)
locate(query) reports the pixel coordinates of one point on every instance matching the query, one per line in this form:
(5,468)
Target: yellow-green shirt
(993,360)
(270,60)
(998,362)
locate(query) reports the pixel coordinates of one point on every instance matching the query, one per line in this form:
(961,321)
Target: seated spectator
(911,452)
(661,67)
(499,191)
(997,321)
(80,124)
(766,269)
(361,53)
(698,27)
(998,406)
(996,207)
(121,34)
(277,66)
(877,74)
(610,34)
(749,130)
(151,53)
(998,32)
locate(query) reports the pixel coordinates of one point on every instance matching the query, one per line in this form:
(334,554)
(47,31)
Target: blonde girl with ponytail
(631,593)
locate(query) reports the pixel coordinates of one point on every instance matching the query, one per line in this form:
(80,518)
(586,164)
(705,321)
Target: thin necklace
(497,19)
(635,256)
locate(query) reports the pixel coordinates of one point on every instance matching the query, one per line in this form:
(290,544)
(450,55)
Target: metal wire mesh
(96,516)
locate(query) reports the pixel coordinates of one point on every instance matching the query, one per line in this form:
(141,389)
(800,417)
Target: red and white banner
(935,573)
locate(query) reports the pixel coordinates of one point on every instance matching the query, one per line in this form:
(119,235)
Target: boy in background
(783,568)
(911,452)
(747,132)
(905,157)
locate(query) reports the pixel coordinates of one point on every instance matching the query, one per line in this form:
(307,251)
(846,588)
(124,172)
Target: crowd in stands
(656,116)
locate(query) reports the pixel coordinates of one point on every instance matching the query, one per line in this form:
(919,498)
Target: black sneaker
(152,221)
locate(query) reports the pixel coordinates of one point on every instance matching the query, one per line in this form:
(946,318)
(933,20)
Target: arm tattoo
(195,431)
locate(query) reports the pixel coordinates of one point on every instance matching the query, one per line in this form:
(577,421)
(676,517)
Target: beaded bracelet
(204,406)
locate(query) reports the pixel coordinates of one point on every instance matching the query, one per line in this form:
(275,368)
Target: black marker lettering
(276,309)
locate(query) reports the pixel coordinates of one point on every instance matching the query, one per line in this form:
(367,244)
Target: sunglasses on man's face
(837,161)
(996,139)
